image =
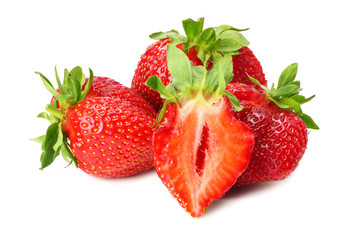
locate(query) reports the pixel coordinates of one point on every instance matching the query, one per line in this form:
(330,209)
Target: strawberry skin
(107,87)
(152,62)
(199,153)
(280,136)
(247,64)
(110,137)
(281,140)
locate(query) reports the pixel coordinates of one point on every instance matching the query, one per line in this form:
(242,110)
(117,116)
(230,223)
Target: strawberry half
(96,128)
(199,148)
(203,47)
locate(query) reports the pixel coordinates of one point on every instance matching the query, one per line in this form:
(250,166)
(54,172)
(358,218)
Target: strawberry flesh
(200,150)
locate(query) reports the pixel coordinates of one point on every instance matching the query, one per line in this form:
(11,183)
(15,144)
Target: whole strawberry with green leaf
(202,47)
(200,149)
(99,131)
(279,125)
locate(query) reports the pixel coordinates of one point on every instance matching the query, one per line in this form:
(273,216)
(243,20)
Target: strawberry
(200,149)
(279,125)
(203,47)
(103,134)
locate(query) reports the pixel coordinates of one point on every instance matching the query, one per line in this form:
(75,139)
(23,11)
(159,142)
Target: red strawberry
(202,47)
(279,125)
(109,136)
(199,149)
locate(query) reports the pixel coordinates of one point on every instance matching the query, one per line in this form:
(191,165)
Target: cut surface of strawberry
(199,148)
(200,153)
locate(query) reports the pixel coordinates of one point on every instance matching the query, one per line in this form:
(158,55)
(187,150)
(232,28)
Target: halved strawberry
(199,148)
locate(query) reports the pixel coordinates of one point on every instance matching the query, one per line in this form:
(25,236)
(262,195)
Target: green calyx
(193,82)
(286,94)
(210,43)
(71,93)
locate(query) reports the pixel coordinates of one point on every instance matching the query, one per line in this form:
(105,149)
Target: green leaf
(162,35)
(55,114)
(87,86)
(233,100)
(62,90)
(179,67)
(69,86)
(288,75)
(204,55)
(38,139)
(229,45)
(67,154)
(225,27)
(206,37)
(294,105)
(155,83)
(163,109)
(76,77)
(215,79)
(48,85)
(309,122)
(257,83)
(296,83)
(76,74)
(193,28)
(227,68)
(170,87)
(219,76)
(173,35)
(60,138)
(50,136)
(49,153)
(285,91)
(215,56)
(279,103)
(301,99)
(198,74)
(44,115)
(236,36)
(214,46)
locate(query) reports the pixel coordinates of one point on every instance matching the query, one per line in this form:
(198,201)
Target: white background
(320,200)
